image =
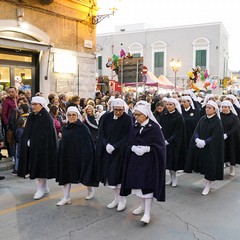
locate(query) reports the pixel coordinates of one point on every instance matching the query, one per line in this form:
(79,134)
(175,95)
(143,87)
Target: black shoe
(14,173)
(2,177)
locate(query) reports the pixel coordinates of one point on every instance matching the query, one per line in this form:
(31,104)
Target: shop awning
(23,44)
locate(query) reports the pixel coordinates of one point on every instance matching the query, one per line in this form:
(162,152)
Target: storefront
(19,69)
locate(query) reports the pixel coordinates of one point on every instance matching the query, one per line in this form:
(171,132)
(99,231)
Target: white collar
(145,122)
(187,109)
(211,116)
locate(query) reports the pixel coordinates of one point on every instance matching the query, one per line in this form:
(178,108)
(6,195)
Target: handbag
(10,137)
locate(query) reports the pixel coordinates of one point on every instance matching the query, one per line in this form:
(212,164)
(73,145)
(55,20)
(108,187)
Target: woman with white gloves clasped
(144,173)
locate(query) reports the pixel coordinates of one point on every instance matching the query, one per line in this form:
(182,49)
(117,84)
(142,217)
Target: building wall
(67,24)
(179,44)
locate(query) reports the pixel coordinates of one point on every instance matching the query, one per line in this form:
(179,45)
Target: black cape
(40,159)
(114,132)
(146,172)
(191,118)
(76,156)
(237,110)
(174,131)
(231,127)
(208,160)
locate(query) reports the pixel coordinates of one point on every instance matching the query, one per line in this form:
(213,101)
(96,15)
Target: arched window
(201,48)
(136,49)
(159,56)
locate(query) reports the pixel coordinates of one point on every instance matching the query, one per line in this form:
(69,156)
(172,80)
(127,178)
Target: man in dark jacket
(38,154)
(8,106)
(1,144)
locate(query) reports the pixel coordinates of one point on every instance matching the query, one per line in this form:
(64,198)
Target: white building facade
(204,45)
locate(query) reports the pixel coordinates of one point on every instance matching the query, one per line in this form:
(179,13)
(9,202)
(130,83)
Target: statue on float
(199,80)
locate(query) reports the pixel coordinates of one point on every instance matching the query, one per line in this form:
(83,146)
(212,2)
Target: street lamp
(175,65)
(97,18)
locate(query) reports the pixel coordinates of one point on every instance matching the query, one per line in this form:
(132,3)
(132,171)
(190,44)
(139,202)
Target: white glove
(225,136)
(137,150)
(200,143)
(145,149)
(28,142)
(109,148)
(166,142)
(197,140)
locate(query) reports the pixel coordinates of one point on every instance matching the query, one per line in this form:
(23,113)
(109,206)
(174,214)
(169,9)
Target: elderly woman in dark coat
(231,128)
(76,157)
(145,162)
(173,127)
(38,154)
(113,136)
(206,149)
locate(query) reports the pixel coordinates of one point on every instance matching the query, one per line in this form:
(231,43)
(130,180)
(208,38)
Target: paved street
(186,214)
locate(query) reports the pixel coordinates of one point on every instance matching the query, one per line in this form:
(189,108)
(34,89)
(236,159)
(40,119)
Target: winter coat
(38,154)
(76,156)
(208,160)
(114,132)
(146,172)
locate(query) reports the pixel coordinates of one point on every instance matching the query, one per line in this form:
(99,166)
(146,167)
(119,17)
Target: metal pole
(122,76)
(137,83)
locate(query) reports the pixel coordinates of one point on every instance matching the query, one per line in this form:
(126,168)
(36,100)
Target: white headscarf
(206,99)
(165,99)
(228,104)
(235,100)
(118,102)
(214,104)
(40,100)
(177,104)
(188,98)
(143,102)
(73,109)
(144,109)
(191,93)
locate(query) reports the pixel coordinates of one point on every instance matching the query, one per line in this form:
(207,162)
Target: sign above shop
(87,43)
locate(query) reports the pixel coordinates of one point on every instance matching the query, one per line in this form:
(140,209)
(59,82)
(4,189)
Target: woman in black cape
(231,128)
(173,127)
(38,154)
(112,142)
(144,173)
(206,149)
(190,115)
(76,157)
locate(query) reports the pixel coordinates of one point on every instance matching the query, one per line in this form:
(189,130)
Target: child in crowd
(18,137)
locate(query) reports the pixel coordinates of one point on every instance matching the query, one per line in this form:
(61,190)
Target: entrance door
(18,68)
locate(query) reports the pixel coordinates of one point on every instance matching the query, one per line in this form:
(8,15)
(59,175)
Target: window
(158,63)
(159,54)
(136,49)
(201,59)
(201,48)
(99,62)
(137,55)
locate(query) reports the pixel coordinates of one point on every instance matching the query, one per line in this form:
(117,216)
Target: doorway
(19,69)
